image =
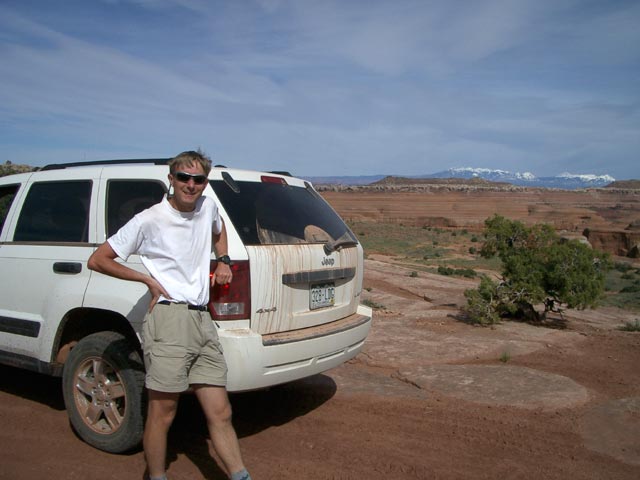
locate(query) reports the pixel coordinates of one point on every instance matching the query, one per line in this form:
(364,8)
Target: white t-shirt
(174,246)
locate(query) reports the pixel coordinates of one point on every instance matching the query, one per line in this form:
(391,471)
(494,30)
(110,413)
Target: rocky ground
(430,396)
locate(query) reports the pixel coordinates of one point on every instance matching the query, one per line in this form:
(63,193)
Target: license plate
(322,295)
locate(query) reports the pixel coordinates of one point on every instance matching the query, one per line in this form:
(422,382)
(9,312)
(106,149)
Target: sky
(325,88)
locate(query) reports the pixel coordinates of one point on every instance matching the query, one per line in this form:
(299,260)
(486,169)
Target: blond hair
(188,158)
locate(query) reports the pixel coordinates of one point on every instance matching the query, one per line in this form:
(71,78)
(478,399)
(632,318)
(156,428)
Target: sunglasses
(184,177)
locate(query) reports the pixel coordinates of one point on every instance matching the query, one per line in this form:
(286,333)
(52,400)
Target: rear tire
(103,387)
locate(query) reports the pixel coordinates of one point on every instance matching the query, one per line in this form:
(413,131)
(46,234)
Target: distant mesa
(476,181)
(485,176)
(625,184)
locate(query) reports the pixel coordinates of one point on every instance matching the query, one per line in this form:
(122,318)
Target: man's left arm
(223,273)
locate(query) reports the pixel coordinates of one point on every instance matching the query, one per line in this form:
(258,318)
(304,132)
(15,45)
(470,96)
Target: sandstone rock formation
(608,217)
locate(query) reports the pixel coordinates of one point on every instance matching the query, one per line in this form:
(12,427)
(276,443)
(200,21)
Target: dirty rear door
(306,264)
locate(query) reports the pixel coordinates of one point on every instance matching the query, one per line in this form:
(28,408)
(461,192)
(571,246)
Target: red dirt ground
(430,397)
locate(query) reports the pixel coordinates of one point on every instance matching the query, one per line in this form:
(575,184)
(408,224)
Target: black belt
(200,308)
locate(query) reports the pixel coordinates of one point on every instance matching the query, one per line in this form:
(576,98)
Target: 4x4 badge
(266,310)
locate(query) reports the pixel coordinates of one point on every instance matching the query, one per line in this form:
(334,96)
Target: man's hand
(222,275)
(103,261)
(156,290)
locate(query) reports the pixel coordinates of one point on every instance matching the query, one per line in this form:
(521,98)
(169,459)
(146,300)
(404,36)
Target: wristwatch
(224,259)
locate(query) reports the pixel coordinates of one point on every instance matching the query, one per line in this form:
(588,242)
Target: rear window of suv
(126,198)
(266,213)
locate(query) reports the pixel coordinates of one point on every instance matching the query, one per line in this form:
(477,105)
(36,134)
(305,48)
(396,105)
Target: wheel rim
(100,395)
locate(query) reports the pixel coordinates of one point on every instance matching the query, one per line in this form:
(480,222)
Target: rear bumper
(259,361)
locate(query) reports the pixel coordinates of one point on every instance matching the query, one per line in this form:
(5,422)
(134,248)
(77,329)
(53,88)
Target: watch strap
(224,259)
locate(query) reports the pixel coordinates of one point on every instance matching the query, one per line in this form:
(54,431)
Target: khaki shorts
(181,348)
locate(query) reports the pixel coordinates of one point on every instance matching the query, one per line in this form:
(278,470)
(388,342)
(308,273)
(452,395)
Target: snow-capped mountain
(564,180)
(567,181)
(485,173)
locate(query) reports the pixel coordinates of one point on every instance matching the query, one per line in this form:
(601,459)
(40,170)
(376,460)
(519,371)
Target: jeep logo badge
(328,261)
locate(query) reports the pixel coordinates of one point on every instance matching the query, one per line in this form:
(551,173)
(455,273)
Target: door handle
(67,267)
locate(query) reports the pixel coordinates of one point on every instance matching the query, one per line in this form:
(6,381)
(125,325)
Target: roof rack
(129,161)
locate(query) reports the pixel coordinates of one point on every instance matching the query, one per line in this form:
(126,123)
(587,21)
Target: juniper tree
(538,268)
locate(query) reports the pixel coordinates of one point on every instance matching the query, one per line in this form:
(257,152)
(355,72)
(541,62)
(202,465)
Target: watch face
(224,259)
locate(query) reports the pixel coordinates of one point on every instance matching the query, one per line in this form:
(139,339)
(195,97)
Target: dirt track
(428,398)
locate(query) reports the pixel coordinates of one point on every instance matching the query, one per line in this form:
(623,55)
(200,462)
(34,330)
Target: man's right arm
(103,260)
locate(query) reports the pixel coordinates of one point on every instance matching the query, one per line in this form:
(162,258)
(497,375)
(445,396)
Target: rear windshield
(271,214)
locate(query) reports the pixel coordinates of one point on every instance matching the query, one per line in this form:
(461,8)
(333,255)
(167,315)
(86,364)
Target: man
(180,343)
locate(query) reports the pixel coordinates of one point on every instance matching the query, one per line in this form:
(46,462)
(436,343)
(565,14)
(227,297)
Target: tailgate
(300,286)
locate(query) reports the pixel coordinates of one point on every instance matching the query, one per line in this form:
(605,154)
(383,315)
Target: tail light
(233,300)
(271,179)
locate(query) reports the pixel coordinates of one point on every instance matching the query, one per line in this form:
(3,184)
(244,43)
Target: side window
(55,212)
(7,194)
(126,198)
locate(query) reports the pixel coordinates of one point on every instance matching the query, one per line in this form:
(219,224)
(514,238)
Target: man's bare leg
(161,412)
(217,409)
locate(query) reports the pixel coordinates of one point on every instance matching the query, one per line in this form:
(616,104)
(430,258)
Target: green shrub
(445,270)
(631,326)
(538,267)
(467,272)
(622,267)
(464,272)
(372,304)
(483,303)
(631,289)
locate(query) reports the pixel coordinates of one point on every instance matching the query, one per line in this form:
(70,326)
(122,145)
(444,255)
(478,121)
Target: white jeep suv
(293,309)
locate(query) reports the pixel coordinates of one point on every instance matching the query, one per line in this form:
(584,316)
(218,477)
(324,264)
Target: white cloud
(200,6)
(382,87)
